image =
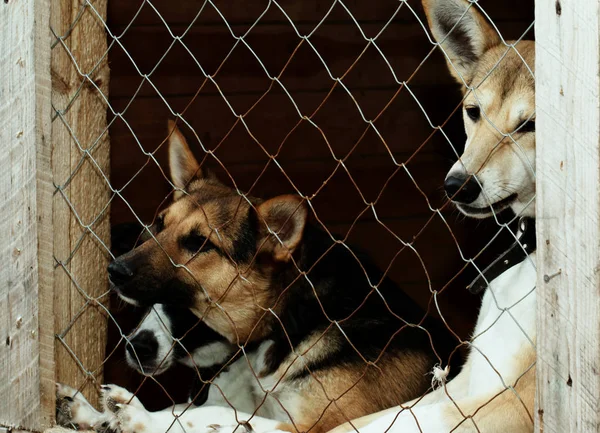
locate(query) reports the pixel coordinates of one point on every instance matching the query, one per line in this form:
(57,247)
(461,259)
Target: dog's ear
(182,163)
(463,33)
(281,221)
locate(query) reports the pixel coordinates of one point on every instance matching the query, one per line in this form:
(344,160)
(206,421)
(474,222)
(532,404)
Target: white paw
(217,428)
(74,411)
(132,419)
(242,427)
(113,395)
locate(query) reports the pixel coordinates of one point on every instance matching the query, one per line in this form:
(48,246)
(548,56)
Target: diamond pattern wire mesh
(367,179)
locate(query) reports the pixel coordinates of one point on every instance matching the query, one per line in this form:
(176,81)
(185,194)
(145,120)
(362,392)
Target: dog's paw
(133,419)
(74,411)
(113,396)
(65,406)
(241,427)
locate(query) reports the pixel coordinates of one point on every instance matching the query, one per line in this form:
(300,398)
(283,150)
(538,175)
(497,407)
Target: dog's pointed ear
(463,33)
(182,163)
(281,221)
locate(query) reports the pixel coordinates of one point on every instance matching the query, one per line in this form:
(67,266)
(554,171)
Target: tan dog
(494,392)
(497,167)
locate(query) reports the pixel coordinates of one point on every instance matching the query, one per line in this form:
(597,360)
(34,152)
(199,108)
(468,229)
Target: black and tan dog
(334,338)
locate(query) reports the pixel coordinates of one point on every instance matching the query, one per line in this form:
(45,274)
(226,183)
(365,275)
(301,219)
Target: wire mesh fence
(293,259)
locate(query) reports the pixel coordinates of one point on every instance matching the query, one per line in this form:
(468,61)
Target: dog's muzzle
(462,188)
(119,272)
(143,353)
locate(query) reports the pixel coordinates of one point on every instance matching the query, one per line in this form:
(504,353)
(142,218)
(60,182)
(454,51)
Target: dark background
(271,124)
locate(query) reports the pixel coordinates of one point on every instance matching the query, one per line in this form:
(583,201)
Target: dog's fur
(246,285)
(165,336)
(333,338)
(176,335)
(169,334)
(500,147)
(494,392)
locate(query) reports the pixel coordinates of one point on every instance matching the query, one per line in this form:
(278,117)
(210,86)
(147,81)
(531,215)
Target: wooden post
(80,166)
(26,340)
(568,220)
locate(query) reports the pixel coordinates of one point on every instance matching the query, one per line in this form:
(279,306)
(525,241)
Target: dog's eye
(528,126)
(195,242)
(474,112)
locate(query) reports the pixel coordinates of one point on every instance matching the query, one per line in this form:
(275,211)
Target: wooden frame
(38,297)
(80,167)
(568,205)
(26,386)
(53,124)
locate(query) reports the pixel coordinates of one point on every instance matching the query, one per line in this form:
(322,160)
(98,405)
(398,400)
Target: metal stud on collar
(515,254)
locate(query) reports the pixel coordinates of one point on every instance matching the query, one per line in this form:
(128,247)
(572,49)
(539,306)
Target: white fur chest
(506,325)
(242,388)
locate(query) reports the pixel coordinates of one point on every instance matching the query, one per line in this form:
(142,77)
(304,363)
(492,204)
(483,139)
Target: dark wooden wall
(176,81)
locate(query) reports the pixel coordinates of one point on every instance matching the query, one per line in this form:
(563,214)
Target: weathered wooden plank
(305,13)
(26,358)
(83,195)
(338,196)
(404,46)
(179,69)
(568,205)
(274,123)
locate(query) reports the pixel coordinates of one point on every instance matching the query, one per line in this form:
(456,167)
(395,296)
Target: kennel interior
(337,101)
(55,172)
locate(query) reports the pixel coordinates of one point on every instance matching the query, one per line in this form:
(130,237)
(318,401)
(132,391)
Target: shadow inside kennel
(270,120)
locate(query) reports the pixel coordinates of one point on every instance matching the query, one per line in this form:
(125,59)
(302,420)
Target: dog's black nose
(119,272)
(462,189)
(143,347)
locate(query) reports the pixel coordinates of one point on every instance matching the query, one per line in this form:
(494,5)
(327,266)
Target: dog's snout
(143,347)
(462,188)
(119,272)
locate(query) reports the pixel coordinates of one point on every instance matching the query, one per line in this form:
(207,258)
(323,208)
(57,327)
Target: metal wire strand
(372,123)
